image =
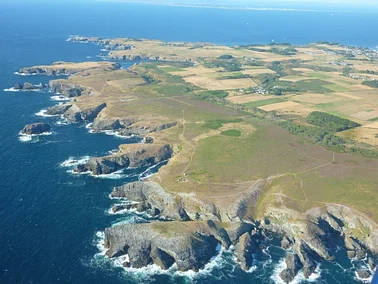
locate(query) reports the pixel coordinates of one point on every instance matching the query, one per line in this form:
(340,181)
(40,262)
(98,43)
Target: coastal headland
(257,140)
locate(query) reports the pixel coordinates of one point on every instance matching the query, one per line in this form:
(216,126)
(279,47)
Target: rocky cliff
(134,156)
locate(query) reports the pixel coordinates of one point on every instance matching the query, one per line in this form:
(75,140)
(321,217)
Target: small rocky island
(36,129)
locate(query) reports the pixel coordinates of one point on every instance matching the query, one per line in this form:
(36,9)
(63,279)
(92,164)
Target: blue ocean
(51,221)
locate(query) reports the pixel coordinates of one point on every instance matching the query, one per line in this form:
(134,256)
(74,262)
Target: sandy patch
(373,125)
(279,106)
(349,96)
(315,98)
(247,98)
(295,78)
(213,84)
(259,71)
(365,115)
(362,134)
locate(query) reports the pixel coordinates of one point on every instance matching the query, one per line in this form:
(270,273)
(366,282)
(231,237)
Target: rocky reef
(29,86)
(36,129)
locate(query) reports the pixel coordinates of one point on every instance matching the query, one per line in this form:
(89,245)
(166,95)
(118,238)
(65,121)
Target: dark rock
(183,215)
(42,85)
(18,86)
(36,129)
(371,263)
(351,254)
(154,212)
(148,140)
(90,114)
(164,126)
(150,193)
(243,251)
(185,245)
(286,243)
(58,109)
(75,114)
(106,124)
(138,156)
(363,274)
(293,265)
(360,254)
(161,258)
(119,207)
(29,86)
(306,257)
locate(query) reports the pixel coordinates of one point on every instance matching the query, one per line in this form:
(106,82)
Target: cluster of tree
(213,95)
(330,122)
(226,57)
(284,51)
(373,83)
(278,67)
(347,70)
(238,75)
(318,135)
(229,65)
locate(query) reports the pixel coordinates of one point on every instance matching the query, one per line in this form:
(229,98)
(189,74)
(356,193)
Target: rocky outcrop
(58,109)
(120,207)
(189,245)
(136,156)
(317,238)
(36,129)
(67,90)
(142,130)
(244,249)
(363,274)
(293,265)
(152,196)
(28,87)
(107,124)
(68,68)
(76,114)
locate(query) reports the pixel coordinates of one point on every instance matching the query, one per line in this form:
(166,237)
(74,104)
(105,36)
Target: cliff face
(68,68)
(188,244)
(316,238)
(136,156)
(312,239)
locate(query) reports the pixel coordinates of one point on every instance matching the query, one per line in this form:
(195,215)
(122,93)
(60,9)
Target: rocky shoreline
(194,228)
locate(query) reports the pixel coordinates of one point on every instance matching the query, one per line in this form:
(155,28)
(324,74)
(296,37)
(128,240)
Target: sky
(293,4)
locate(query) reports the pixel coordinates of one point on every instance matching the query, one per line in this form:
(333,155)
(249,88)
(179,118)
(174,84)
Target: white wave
(63,122)
(25,74)
(281,266)
(33,137)
(42,113)
(25,138)
(147,173)
(103,49)
(59,98)
(11,90)
(72,161)
(124,211)
(88,57)
(88,126)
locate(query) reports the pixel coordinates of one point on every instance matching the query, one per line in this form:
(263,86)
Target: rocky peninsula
(235,173)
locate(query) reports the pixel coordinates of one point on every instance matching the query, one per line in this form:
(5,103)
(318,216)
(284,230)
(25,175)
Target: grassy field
(221,150)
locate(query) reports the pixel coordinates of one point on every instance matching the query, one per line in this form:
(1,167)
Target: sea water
(51,221)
